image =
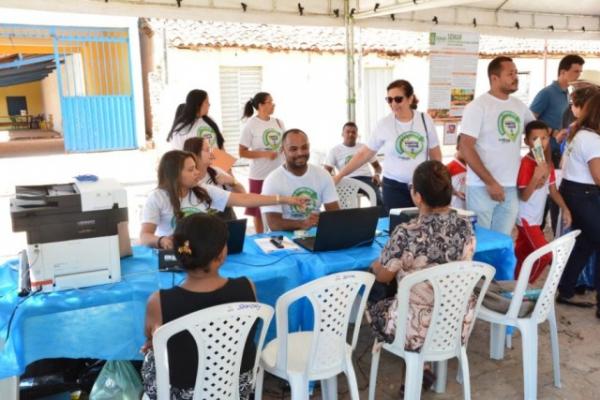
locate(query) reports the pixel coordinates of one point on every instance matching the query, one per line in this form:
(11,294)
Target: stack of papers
(267,247)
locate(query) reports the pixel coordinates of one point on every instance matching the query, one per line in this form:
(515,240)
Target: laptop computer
(342,229)
(401,215)
(235,244)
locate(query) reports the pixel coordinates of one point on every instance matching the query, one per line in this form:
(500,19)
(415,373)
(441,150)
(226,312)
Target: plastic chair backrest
(453,284)
(220,333)
(561,249)
(331,298)
(348,189)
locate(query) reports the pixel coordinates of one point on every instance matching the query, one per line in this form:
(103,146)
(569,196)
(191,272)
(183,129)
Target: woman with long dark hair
(210,175)
(260,142)
(179,194)
(580,188)
(192,120)
(407,137)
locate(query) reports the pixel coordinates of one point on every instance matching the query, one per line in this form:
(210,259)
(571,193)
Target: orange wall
(32,91)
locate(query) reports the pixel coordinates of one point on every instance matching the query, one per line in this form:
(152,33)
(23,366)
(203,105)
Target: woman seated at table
(436,236)
(201,248)
(210,175)
(179,194)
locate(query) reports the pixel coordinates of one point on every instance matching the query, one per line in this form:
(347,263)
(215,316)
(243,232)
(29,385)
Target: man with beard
(296,177)
(492,127)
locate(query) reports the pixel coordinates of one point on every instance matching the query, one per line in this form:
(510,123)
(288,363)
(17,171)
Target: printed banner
(452,73)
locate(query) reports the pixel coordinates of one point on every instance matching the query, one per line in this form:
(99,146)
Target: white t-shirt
(198,129)
(262,135)
(583,148)
(341,154)
(207,180)
(532,210)
(316,183)
(405,144)
(158,209)
(498,126)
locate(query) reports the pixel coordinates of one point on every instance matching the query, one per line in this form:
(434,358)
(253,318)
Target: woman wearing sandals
(260,142)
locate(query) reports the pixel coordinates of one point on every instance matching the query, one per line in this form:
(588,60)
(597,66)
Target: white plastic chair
(323,353)
(349,197)
(453,284)
(544,309)
(220,333)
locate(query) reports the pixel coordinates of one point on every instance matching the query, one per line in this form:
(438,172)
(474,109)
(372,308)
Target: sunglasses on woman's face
(397,99)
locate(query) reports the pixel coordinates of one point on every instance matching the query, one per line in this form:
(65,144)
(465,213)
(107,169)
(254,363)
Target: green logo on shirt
(509,126)
(347,159)
(409,145)
(272,139)
(207,133)
(310,207)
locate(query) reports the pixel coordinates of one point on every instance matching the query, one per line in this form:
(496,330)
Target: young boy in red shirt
(458,173)
(535,181)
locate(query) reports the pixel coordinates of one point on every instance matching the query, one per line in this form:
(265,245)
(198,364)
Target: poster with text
(452,73)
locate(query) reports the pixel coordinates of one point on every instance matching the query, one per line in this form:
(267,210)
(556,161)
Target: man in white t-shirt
(296,177)
(341,154)
(491,128)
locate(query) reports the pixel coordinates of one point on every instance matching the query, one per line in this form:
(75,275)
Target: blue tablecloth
(107,321)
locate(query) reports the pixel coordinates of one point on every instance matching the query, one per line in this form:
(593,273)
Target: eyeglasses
(397,99)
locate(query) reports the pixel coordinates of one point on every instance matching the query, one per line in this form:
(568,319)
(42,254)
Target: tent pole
(351,96)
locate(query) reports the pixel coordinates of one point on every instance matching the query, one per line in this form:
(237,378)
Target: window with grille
(238,85)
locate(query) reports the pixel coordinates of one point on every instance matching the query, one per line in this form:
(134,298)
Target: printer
(72,232)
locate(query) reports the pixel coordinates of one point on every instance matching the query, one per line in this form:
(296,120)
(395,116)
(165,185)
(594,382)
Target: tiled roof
(195,34)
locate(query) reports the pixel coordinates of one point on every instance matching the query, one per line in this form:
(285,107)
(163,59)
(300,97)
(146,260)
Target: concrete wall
(309,89)
(32,92)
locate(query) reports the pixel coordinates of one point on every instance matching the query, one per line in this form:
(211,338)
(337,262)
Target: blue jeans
(396,195)
(499,217)
(584,203)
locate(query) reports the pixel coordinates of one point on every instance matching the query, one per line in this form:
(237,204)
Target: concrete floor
(490,379)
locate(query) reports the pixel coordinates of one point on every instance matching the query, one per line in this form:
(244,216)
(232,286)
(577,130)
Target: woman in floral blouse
(436,236)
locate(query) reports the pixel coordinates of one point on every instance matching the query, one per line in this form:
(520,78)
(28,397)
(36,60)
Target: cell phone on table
(277,241)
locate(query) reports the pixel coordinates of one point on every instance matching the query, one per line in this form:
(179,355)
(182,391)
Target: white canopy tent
(536,18)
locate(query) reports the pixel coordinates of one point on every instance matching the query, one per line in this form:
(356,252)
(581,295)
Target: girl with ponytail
(260,142)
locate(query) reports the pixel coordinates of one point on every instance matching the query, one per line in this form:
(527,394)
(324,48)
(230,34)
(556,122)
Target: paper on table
(267,247)
(538,151)
(222,159)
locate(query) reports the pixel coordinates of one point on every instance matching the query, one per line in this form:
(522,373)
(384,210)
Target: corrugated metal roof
(196,34)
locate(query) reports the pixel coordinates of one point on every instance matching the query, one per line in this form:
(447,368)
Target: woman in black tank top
(200,243)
